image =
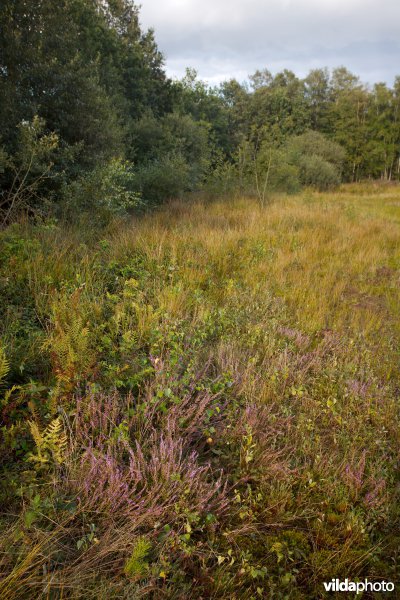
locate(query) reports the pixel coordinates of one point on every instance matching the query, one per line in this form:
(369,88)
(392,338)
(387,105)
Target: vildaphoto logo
(337,585)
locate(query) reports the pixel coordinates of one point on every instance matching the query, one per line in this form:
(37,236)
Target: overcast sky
(232,38)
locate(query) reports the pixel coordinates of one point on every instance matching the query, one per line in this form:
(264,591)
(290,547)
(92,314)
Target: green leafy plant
(109,190)
(51,443)
(30,167)
(137,566)
(4,365)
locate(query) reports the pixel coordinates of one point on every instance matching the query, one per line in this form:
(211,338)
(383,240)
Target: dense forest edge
(199,333)
(90,123)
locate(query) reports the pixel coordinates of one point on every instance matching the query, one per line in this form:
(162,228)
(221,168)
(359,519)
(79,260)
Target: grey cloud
(232,38)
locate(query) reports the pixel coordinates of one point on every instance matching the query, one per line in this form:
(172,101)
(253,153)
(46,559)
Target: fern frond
(56,440)
(7,395)
(59,450)
(51,443)
(37,437)
(34,412)
(52,431)
(4,364)
(69,343)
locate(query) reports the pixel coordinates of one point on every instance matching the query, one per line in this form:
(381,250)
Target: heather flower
(358,388)
(125,479)
(354,475)
(372,498)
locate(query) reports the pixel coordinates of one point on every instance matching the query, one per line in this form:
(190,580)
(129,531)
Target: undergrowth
(202,402)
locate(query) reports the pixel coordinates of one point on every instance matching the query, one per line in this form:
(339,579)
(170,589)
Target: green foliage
(106,191)
(317,172)
(51,443)
(319,160)
(4,365)
(72,112)
(173,155)
(263,166)
(283,176)
(137,566)
(26,174)
(164,178)
(86,70)
(313,143)
(223,178)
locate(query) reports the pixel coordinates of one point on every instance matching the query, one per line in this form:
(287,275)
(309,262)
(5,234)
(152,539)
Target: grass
(227,380)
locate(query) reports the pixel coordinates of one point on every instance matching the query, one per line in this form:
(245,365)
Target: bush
(25,175)
(163,178)
(174,141)
(270,170)
(309,159)
(223,179)
(313,143)
(319,160)
(317,172)
(284,176)
(106,191)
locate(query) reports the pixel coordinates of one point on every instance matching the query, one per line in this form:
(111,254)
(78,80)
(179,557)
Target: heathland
(202,402)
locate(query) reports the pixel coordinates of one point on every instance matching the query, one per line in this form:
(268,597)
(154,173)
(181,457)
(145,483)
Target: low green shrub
(163,179)
(107,191)
(318,173)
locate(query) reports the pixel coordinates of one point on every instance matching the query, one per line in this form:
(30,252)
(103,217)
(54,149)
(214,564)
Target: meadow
(202,402)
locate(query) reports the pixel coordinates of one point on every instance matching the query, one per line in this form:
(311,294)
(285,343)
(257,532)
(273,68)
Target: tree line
(90,120)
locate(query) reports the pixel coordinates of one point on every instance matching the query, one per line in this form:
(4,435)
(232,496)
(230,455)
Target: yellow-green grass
(332,258)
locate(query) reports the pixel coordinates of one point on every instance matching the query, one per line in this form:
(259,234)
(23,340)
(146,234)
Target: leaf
(30,517)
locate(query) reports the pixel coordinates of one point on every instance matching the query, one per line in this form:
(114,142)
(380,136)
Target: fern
(4,365)
(34,412)
(37,436)
(137,566)
(51,444)
(56,440)
(69,344)
(8,394)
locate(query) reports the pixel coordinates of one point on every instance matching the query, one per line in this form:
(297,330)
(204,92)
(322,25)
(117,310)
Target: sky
(222,39)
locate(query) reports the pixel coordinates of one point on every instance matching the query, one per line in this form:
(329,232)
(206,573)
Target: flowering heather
(299,338)
(116,475)
(355,474)
(358,388)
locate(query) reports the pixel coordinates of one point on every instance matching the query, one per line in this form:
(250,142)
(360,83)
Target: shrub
(164,178)
(25,174)
(284,176)
(171,136)
(223,178)
(106,191)
(318,159)
(317,172)
(271,171)
(313,143)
